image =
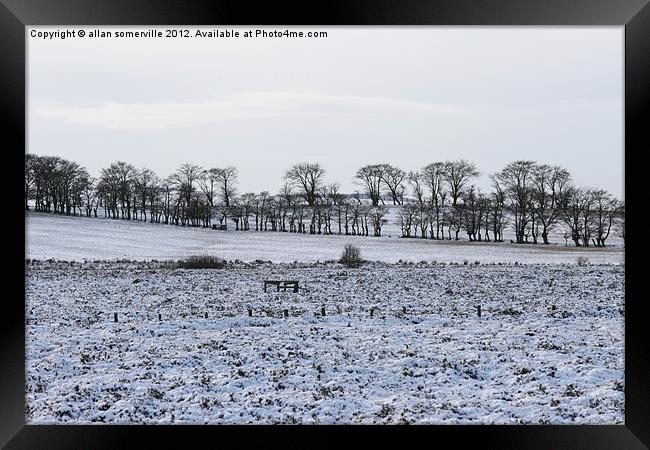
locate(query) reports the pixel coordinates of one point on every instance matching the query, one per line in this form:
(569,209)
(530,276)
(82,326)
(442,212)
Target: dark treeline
(532,199)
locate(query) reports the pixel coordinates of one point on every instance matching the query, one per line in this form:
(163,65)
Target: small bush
(201,262)
(351,256)
(582,260)
(155,393)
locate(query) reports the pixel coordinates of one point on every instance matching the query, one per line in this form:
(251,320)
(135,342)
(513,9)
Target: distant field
(77,238)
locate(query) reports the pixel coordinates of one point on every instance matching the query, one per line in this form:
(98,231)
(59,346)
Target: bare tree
(207,183)
(307,177)
(167,192)
(227,178)
(80,181)
(516,181)
(406,219)
(264,199)
(364,214)
(338,204)
(393,178)
(497,216)
(433,175)
(143,183)
(620,223)
(588,225)
(606,211)
(119,181)
(186,178)
(185,181)
(473,217)
(415,179)
(371,178)
(577,215)
(65,185)
(155,200)
(378,214)
(247,204)
(457,174)
(550,185)
(89,192)
(236,213)
(224,182)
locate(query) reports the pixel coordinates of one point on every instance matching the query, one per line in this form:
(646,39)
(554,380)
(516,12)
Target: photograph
(325,225)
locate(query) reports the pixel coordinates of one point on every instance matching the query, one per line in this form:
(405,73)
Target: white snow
(77,238)
(548,347)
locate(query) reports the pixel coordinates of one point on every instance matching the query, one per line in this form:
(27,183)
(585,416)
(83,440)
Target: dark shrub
(201,262)
(351,256)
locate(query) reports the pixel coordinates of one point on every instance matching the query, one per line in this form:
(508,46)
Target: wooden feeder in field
(281,285)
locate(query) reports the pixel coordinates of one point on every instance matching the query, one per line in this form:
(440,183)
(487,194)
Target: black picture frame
(634,15)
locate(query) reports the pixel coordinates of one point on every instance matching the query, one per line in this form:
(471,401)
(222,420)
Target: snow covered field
(77,238)
(548,347)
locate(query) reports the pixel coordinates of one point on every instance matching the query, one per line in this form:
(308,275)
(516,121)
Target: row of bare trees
(533,199)
(188,197)
(540,197)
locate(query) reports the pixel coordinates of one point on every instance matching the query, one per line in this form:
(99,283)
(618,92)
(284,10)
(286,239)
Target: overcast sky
(402,95)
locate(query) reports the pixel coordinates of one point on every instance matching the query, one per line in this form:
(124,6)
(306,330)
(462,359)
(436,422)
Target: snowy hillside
(78,238)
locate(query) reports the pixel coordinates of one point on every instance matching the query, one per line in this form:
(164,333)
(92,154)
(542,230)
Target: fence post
(404,310)
(372,311)
(206,314)
(114,317)
(478,310)
(159,317)
(286,313)
(322,311)
(250,312)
